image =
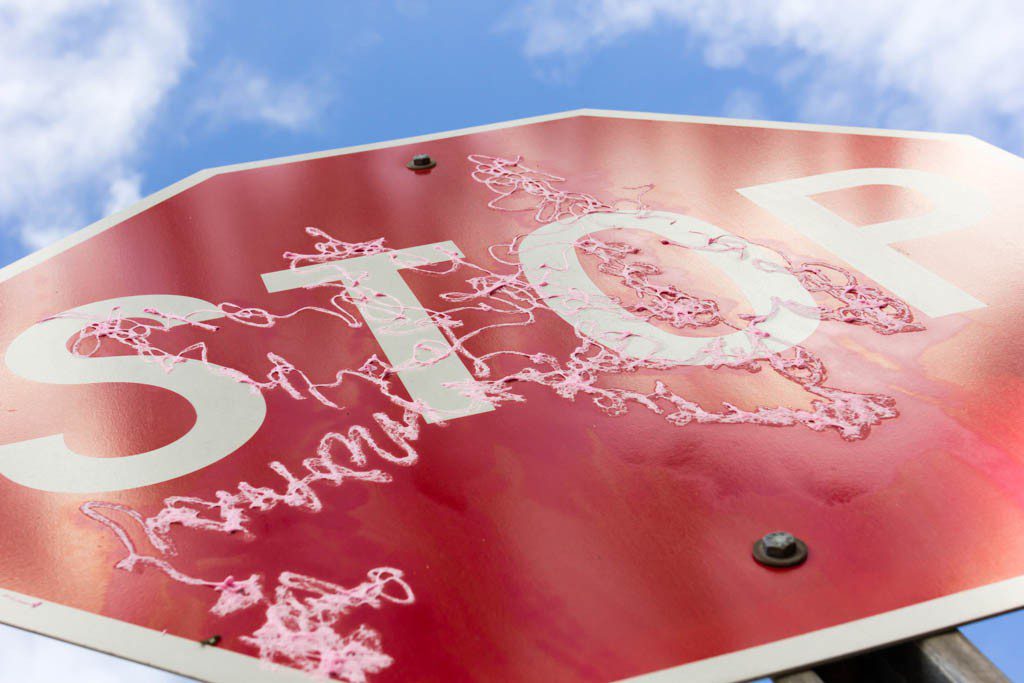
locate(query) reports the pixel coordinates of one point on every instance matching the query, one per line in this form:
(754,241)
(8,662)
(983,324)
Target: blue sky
(102,102)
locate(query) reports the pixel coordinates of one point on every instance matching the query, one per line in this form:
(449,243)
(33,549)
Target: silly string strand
(302,614)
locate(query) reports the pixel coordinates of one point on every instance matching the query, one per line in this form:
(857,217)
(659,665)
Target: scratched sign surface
(521,416)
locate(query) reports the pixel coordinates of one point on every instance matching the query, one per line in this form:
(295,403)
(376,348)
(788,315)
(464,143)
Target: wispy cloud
(123,192)
(744,104)
(236,91)
(913,64)
(80,82)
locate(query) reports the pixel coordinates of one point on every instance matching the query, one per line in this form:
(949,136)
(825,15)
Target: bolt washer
(430,163)
(798,556)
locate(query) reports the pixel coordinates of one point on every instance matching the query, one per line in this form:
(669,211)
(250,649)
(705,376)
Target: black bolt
(780,549)
(212,640)
(421,162)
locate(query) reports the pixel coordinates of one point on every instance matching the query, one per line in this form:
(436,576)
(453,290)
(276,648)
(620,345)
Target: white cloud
(743,104)
(124,191)
(919,63)
(235,91)
(724,55)
(80,82)
(58,223)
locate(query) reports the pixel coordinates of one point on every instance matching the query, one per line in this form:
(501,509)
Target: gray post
(951,658)
(943,658)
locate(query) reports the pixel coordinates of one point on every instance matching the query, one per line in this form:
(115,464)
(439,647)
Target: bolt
(779,544)
(780,549)
(421,162)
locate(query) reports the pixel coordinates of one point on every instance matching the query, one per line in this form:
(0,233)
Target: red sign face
(522,414)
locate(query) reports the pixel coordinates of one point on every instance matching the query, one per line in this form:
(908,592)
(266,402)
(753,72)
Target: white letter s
(228,413)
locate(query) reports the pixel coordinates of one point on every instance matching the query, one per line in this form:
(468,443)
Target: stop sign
(523,407)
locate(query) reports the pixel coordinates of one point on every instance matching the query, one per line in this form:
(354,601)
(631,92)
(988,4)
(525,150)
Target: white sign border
(217,665)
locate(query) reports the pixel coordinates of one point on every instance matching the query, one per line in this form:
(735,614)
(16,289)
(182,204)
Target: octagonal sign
(521,410)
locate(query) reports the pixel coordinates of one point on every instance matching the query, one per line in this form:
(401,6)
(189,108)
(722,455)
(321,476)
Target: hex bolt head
(780,549)
(421,162)
(779,544)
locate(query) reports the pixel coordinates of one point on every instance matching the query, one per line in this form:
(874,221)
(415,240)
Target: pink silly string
(329,249)
(504,294)
(508,177)
(300,632)
(357,653)
(234,594)
(637,204)
(229,512)
(850,413)
(136,333)
(300,624)
(509,294)
(283,375)
(22,601)
(664,303)
(859,304)
(300,621)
